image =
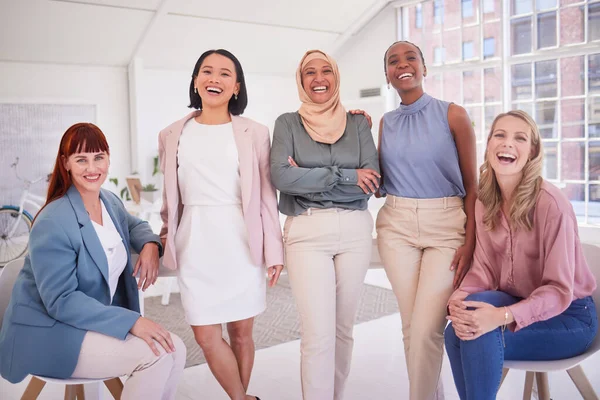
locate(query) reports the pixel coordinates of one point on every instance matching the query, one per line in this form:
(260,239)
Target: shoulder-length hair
(83,137)
(525,194)
(236,106)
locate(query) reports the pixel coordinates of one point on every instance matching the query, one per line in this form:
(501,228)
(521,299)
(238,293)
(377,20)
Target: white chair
(73,387)
(540,369)
(169,275)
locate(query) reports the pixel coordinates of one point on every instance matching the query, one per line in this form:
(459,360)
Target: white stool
(73,387)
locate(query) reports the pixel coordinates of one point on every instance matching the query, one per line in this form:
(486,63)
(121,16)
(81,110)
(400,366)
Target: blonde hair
(527,190)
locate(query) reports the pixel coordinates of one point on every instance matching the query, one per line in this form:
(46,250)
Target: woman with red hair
(74,310)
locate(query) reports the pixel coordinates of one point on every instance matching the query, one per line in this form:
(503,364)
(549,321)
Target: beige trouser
(327,256)
(150,377)
(417,240)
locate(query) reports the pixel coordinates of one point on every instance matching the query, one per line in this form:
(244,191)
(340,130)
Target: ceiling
(268,36)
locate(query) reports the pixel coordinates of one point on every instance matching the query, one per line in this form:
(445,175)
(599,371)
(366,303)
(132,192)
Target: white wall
(361,59)
(106,87)
(163,98)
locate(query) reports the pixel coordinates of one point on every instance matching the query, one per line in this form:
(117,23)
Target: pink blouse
(545,266)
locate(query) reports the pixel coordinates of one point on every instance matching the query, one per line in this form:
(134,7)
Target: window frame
(503,61)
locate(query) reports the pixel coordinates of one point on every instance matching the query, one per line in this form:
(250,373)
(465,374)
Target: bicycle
(16,221)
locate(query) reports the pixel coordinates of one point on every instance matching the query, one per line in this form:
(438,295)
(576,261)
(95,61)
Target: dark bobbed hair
(236,107)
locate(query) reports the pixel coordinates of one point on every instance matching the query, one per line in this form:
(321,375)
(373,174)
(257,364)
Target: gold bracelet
(503,328)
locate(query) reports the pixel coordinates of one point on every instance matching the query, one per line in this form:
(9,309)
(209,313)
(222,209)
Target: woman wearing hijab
(324,163)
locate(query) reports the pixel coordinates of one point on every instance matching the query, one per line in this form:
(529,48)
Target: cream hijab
(325,123)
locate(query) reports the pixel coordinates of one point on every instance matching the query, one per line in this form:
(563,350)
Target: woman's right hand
(149,331)
(455,303)
(368,180)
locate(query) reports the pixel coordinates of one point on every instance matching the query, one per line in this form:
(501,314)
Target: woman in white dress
(220,218)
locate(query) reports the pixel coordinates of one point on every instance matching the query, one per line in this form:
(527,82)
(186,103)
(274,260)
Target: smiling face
(216,82)
(318,80)
(510,146)
(405,68)
(88,170)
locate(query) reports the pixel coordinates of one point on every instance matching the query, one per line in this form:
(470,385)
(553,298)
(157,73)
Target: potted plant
(150,193)
(124,192)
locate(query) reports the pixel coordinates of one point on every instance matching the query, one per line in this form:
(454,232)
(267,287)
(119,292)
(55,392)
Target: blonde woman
(324,162)
(527,294)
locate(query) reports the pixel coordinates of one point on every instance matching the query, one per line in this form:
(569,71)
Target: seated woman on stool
(528,293)
(74,310)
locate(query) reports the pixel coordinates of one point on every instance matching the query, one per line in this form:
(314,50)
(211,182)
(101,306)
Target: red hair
(79,138)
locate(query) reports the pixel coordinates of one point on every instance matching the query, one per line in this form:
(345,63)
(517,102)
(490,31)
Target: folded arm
(368,159)
(299,180)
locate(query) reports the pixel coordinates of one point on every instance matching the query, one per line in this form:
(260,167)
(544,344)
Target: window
(521,35)
(489,47)
(467,8)
(546,30)
(521,7)
(418,16)
(594,74)
(439,55)
(488,6)
(521,82)
(553,74)
(594,21)
(545,4)
(546,79)
(467,50)
(438,12)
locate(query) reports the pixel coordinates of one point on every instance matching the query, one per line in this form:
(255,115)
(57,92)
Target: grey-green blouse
(326,174)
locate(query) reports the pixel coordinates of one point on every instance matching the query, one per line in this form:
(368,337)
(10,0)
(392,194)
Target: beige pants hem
(417,240)
(327,256)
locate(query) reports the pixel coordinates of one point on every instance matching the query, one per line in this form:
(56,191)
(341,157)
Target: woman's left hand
(147,266)
(471,324)
(363,112)
(461,263)
(273,273)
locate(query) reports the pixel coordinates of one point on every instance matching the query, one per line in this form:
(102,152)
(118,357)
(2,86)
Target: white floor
(378,371)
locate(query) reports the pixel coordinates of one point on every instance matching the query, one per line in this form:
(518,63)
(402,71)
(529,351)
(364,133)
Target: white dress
(218,281)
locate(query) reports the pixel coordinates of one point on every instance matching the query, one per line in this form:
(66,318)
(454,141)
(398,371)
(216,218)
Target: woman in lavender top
(426,229)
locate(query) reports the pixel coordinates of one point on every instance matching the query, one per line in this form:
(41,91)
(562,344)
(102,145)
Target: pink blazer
(259,201)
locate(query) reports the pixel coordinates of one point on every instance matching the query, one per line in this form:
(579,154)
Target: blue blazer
(62,291)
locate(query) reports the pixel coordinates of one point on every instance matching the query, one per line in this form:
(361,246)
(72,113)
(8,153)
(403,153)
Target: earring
(195,90)
(235,96)
(388,85)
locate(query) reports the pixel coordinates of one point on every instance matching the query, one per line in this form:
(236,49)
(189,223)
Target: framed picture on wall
(32,132)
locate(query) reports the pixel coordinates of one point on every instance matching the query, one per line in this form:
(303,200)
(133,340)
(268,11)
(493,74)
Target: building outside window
(438,55)
(488,6)
(467,50)
(546,62)
(467,8)
(489,47)
(438,11)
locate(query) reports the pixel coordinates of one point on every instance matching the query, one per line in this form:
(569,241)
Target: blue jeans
(477,364)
